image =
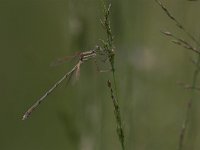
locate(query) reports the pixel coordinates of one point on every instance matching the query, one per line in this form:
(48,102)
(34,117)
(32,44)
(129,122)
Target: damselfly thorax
(78,55)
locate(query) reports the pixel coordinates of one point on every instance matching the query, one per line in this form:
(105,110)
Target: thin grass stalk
(117,113)
(187,86)
(186,45)
(181,42)
(178,24)
(108,44)
(109,49)
(189,105)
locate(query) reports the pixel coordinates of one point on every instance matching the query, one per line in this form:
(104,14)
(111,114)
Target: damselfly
(83,57)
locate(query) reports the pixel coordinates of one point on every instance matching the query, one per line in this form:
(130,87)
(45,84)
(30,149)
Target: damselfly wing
(62,60)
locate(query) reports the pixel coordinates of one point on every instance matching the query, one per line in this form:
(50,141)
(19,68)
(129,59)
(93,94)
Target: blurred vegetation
(80,116)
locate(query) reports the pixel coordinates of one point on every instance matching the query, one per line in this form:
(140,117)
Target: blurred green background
(33,33)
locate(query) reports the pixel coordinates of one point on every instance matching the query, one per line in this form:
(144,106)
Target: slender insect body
(87,55)
(84,56)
